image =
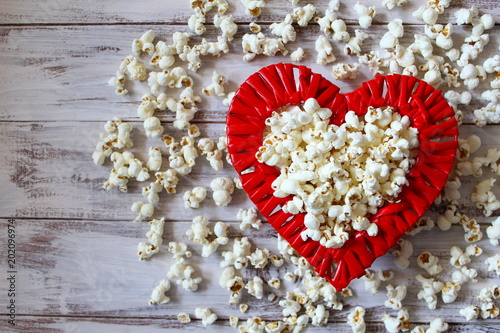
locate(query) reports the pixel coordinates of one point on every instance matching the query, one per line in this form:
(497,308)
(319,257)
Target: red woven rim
(278,85)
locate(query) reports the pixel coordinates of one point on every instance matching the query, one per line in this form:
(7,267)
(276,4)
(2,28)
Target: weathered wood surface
(90,269)
(177,12)
(48,172)
(78,270)
(61,73)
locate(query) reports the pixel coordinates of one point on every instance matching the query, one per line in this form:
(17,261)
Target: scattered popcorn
(193,198)
(449,292)
(233,321)
(135,69)
(325,51)
(353,47)
(274,283)
(437,326)
(460,258)
(484,198)
(430,288)
(217,86)
(396,324)
(158,296)
(304,14)
(255,287)
(429,262)
(464,275)
(470,312)
(243,308)
(489,310)
(239,256)
(390,38)
(395,296)
(259,258)
(182,273)
(373,279)
(493,232)
(490,293)
(143,210)
(179,250)
(234,283)
(226,25)
(391,4)
(155,159)
(345,71)
(249,219)
(284,30)
(206,316)
(403,255)
(253,7)
(490,114)
(356,319)
(155,239)
(318,314)
(298,55)
(184,318)
(365,14)
(259,44)
(493,264)
(222,189)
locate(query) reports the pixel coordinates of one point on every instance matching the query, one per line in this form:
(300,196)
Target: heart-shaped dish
(276,86)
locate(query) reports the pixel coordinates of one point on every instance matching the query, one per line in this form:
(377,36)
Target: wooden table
(76,266)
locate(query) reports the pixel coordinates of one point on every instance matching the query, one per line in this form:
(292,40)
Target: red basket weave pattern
(279,85)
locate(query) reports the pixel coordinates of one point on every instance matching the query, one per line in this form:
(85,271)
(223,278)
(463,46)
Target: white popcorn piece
(493,232)
(253,7)
(233,321)
(259,258)
(197,20)
(255,287)
(403,255)
(304,14)
(430,288)
(249,219)
(254,27)
(135,69)
(168,179)
(464,275)
(470,312)
(254,325)
(353,47)
(437,326)
(239,256)
(182,273)
(340,33)
(222,189)
(396,324)
(489,310)
(356,319)
(234,283)
(274,283)
(255,44)
(484,198)
(493,264)
(427,14)
(118,82)
(425,223)
(298,55)
(395,296)
(217,85)
(284,30)
(206,316)
(142,209)
(422,45)
(491,112)
(158,296)
(346,71)
(465,16)
(153,127)
(179,250)
(489,293)
(154,235)
(449,292)
(318,314)
(390,39)
(193,198)
(391,4)
(199,230)
(155,159)
(220,231)
(373,279)
(324,50)
(429,262)
(144,44)
(226,25)
(461,258)
(365,14)
(184,317)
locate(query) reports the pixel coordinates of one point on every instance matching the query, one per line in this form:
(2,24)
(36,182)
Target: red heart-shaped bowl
(279,85)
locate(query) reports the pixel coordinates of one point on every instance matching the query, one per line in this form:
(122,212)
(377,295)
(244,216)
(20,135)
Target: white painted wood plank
(61,73)
(170,11)
(48,172)
(137,325)
(90,269)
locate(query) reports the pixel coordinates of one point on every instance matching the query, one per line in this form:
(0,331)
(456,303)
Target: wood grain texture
(48,172)
(61,73)
(90,269)
(176,12)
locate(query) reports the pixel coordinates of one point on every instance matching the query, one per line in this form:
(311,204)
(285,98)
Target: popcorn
(325,51)
(217,85)
(424,223)
(168,179)
(488,294)
(239,256)
(118,82)
(346,71)
(199,230)
(395,324)
(179,250)
(274,283)
(340,33)
(373,279)
(284,29)
(249,219)
(144,44)
(460,258)
(318,314)
(164,56)
(437,326)
(484,198)
(234,283)
(489,310)
(255,287)
(354,44)
(356,319)
(206,316)
(222,189)
(182,273)
(135,69)
(391,4)
(155,159)
(470,312)
(365,14)
(194,197)
(493,264)
(197,20)
(465,16)
(429,262)
(143,210)
(253,7)
(254,27)
(491,112)
(226,25)
(449,292)
(303,15)
(210,246)
(259,44)
(395,296)
(464,275)
(155,239)
(158,296)
(493,232)
(253,325)
(184,318)
(153,127)
(430,288)
(390,39)
(233,321)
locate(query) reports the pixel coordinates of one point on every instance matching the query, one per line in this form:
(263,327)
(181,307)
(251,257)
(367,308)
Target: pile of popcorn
(338,175)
